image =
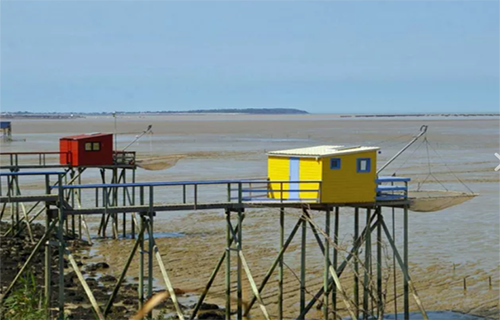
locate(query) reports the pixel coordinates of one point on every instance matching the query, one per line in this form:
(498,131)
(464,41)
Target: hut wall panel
(278,169)
(310,169)
(346,184)
(75,153)
(64,146)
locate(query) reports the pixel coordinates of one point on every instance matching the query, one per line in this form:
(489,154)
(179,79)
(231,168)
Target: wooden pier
(139,203)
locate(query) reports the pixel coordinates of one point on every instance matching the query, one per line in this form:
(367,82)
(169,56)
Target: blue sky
(323,57)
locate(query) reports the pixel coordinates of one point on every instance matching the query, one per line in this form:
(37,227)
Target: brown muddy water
(445,246)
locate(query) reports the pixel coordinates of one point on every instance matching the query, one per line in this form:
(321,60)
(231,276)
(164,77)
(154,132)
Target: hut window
(335,163)
(92,146)
(363,165)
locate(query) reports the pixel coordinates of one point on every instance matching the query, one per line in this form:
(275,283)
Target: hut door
(294,176)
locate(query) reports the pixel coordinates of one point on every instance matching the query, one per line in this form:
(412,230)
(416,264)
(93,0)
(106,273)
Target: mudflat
(445,247)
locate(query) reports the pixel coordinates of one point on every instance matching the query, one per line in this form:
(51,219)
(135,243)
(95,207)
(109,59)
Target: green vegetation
(25,303)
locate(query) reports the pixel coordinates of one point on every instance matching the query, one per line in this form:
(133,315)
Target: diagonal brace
(405,270)
(212,277)
(253,285)
(275,264)
(357,244)
(164,273)
(86,287)
(124,272)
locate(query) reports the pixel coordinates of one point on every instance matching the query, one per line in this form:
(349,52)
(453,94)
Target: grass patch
(26,302)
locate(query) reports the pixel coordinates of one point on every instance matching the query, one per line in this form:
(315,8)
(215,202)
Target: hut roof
(322,151)
(86,136)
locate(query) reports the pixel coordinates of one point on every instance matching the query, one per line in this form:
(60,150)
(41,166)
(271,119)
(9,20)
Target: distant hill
(246,111)
(65,115)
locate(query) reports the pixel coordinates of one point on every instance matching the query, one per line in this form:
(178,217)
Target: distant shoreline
(255,112)
(421,115)
(66,115)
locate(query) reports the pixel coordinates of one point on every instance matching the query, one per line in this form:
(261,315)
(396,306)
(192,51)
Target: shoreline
(65,116)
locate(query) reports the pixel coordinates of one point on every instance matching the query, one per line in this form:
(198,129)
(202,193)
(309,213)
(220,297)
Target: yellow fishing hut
(325,174)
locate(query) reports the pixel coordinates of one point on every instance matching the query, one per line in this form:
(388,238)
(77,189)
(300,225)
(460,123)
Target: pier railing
(19,159)
(10,181)
(282,190)
(124,157)
(196,194)
(53,159)
(392,188)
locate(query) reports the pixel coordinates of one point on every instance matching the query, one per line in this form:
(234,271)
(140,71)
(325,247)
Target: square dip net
(436,200)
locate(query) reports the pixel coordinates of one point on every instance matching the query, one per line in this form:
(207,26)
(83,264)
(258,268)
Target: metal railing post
(319,192)
(240,193)
(281,191)
(48,254)
(105,195)
(150,243)
(228,266)
(60,237)
(195,195)
(183,193)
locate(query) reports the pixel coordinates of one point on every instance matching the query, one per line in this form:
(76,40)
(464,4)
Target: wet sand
(191,258)
(221,147)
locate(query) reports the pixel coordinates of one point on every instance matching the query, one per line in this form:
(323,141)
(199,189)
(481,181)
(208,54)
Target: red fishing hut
(93,149)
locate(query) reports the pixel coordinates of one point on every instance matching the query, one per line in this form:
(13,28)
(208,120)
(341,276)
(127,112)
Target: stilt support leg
(356,267)
(405,264)
(281,263)
(366,285)
(303,264)
(228,265)
(326,264)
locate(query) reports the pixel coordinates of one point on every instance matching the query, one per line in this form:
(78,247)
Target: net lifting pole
(423,130)
(148,130)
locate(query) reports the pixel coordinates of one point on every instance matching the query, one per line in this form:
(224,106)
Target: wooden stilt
(326,255)
(303,265)
(228,265)
(281,263)
(366,285)
(335,257)
(356,267)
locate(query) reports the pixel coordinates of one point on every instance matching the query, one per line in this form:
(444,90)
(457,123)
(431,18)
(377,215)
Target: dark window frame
(339,163)
(368,165)
(92,146)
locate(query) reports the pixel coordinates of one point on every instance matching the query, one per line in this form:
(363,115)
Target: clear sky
(323,57)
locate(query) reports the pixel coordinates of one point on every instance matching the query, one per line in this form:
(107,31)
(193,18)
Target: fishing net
(159,163)
(422,200)
(431,201)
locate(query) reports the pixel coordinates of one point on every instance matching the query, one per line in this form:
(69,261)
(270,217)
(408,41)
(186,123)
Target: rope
(409,157)
(428,155)
(429,167)
(439,182)
(151,144)
(470,190)
(423,181)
